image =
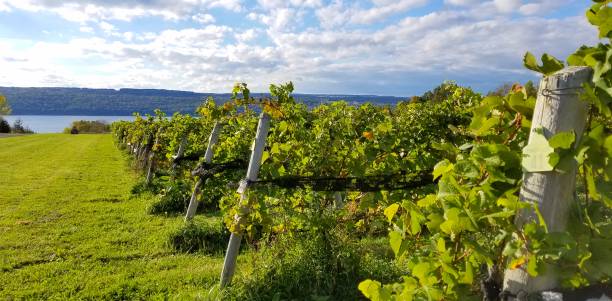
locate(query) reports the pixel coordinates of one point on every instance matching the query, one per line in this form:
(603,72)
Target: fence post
(180,152)
(338,200)
(558,108)
(233,246)
(212,140)
(151,159)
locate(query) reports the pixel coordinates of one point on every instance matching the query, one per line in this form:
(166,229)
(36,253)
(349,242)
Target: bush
(88,127)
(312,267)
(155,187)
(206,238)
(19,128)
(4,126)
(173,198)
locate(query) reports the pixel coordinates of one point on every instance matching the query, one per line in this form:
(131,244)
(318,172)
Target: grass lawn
(69,228)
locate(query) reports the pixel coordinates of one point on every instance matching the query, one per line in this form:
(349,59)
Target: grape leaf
(536,153)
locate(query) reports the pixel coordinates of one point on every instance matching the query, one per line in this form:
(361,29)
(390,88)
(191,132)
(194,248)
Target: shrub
(312,266)
(4,126)
(88,127)
(155,187)
(19,128)
(173,198)
(194,237)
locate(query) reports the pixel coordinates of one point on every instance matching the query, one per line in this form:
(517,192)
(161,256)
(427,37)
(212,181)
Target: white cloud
(128,36)
(95,10)
(461,2)
(106,27)
(246,36)
(456,42)
(384,9)
(86,29)
(507,6)
(337,13)
(203,18)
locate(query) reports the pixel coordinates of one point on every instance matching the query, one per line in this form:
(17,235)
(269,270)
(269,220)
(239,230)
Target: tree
(4,126)
(19,128)
(440,93)
(530,88)
(5,108)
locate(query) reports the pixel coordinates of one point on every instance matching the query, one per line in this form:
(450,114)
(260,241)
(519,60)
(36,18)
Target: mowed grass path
(69,228)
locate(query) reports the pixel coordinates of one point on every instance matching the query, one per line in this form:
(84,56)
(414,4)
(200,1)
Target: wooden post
(212,140)
(229,264)
(151,161)
(150,168)
(180,152)
(338,200)
(558,109)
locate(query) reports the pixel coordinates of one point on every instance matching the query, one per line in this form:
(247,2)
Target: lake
(57,124)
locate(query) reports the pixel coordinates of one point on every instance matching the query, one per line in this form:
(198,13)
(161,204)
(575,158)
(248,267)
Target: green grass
(69,228)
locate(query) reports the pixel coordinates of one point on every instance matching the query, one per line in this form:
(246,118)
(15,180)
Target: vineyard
(431,197)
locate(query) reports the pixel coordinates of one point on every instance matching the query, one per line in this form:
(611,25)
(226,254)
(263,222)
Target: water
(57,124)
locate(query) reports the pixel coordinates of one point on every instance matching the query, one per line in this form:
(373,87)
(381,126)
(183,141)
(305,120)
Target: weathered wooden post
(338,200)
(229,264)
(180,152)
(212,140)
(558,109)
(151,160)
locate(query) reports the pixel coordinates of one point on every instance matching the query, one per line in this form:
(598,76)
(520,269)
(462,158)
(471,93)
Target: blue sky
(384,47)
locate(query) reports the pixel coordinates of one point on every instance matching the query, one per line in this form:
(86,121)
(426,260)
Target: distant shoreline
(124,102)
(6,135)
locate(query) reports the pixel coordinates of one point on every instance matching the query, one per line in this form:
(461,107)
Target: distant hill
(82,101)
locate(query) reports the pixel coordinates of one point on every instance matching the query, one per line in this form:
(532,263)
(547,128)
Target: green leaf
(524,106)
(441,168)
(281,170)
(391,211)
(427,201)
(452,224)
(467,169)
(415,222)
(396,242)
(532,266)
(536,153)
(553,159)
(373,290)
(483,128)
(435,220)
(500,214)
(275,149)
(608,145)
(541,220)
(563,140)
(264,156)
(441,245)
(530,62)
(549,65)
(421,270)
(468,275)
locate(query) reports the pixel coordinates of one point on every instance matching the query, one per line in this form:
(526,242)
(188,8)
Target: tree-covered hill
(82,101)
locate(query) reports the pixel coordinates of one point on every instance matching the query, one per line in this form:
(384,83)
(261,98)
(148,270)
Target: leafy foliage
(5,108)
(469,222)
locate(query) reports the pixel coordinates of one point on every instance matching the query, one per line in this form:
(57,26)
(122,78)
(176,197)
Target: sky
(376,47)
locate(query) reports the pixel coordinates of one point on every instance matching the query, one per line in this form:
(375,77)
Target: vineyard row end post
(151,160)
(180,152)
(558,109)
(233,246)
(212,140)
